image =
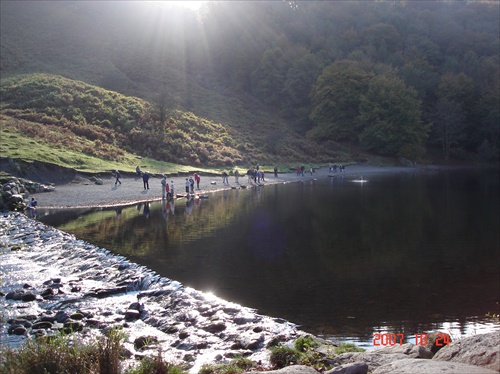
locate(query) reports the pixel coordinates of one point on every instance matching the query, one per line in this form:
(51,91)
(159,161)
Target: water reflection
(402,253)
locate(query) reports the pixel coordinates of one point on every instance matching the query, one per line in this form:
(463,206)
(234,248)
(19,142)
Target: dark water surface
(401,253)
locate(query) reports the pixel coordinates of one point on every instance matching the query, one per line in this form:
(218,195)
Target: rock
(419,366)
(143,341)
(72,326)
(28,297)
(42,325)
(481,350)
(354,368)
(17,330)
(215,327)
(437,340)
(293,369)
(132,314)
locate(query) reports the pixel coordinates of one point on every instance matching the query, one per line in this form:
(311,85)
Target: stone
(42,325)
(419,366)
(132,314)
(437,340)
(481,350)
(293,369)
(28,297)
(354,368)
(143,341)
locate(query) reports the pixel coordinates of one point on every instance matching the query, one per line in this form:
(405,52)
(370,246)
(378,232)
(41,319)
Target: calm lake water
(401,253)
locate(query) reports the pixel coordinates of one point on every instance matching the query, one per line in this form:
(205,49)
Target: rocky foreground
(53,282)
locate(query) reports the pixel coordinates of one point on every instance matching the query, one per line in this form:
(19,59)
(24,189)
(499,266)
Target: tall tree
(390,113)
(335,101)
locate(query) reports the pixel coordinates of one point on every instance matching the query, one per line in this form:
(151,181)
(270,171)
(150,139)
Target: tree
(335,101)
(391,118)
(449,125)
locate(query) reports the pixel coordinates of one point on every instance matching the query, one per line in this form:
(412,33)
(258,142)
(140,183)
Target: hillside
(255,82)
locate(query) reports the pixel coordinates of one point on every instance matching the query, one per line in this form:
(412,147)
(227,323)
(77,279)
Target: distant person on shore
(311,170)
(171,188)
(236,176)
(145,180)
(250,175)
(164,185)
(32,207)
(117,176)
(197,180)
(276,172)
(225,178)
(191,184)
(188,185)
(262,176)
(138,171)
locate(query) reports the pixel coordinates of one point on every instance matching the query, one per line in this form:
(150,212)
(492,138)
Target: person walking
(164,185)
(145,180)
(117,176)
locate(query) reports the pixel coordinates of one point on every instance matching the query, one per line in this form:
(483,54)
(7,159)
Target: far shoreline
(82,193)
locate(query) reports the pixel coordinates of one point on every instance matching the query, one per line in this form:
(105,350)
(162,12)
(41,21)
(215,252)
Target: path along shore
(81,192)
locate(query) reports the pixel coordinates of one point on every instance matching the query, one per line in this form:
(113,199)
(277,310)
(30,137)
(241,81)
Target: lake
(343,257)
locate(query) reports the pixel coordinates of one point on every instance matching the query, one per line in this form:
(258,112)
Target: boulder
(354,368)
(419,366)
(294,369)
(480,350)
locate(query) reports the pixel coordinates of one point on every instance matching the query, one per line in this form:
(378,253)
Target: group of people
(333,168)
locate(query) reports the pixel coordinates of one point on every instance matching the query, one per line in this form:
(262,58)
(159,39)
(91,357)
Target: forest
(392,78)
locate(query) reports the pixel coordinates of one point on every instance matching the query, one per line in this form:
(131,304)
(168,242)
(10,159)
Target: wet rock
(72,326)
(47,293)
(144,341)
(214,328)
(28,297)
(42,325)
(17,330)
(61,316)
(136,306)
(15,295)
(132,314)
(77,316)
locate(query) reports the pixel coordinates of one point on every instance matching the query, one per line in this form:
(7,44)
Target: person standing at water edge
(191,184)
(32,207)
(276,172)
(164,185)
(197,179)
(145,180)
(188,185)
(236,176)
(171,188)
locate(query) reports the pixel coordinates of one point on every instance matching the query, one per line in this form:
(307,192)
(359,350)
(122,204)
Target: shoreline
(82,193)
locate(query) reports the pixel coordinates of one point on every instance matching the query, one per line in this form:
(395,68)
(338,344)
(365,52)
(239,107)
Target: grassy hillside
(96,123)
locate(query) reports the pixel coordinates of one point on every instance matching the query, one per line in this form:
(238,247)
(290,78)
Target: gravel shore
(81,192)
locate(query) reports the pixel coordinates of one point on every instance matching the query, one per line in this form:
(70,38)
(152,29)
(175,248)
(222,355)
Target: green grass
(23,147)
